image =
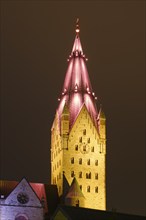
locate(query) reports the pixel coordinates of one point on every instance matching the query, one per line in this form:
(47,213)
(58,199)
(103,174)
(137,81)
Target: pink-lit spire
(77,90)
(77,44)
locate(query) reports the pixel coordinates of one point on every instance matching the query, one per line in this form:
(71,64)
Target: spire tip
(77,26)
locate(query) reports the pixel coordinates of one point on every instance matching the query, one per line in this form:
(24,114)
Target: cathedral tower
(78,138)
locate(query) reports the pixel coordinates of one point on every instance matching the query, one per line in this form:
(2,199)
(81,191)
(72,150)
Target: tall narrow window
(96,162)
(88,140)
(80,187)
(84,132)
(72,174)
(76,147)
(92,149)
(96,189)
(84,147)
(88,188)
(80,174)
(80,139)
(88,162)
(96,176)
(72,160)
(80,160)
(88,175)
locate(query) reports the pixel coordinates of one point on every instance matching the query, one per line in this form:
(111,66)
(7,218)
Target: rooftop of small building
(74,213)
(46,191)
(74,190)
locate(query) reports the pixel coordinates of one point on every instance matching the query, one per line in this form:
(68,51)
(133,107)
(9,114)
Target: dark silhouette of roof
(77,213)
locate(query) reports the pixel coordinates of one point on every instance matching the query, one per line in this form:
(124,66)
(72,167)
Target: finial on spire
(77,26)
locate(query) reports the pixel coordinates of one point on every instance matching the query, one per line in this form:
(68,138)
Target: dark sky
(36,39)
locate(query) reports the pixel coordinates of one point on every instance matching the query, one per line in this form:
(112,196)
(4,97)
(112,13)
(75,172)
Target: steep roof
(74,190)
(45,191)
(6,187)
(77,89)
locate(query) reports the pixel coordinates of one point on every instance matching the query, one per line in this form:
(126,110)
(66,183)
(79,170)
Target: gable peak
(74,190)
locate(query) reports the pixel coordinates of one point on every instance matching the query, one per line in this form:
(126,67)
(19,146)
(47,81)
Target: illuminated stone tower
(78,138)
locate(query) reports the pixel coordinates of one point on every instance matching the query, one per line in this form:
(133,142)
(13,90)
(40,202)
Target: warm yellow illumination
(78,138)
(75,148)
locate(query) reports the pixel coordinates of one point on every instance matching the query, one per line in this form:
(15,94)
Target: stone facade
(21,204)
(87,165)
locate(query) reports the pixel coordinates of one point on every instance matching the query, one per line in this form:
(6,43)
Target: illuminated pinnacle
(77,26)
(77,89)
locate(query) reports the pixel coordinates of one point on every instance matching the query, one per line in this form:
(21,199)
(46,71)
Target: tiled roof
(77,89)
(43,191)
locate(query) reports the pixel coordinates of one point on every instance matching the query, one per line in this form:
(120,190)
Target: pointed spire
(77,89)
(77,47)
(77,26)
(74,190)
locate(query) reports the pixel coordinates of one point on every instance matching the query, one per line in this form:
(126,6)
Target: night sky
(36,39)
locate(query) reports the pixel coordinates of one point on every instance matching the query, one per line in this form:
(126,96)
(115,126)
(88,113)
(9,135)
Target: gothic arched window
(96,162)
(72,174)
(76,147)
(88,162)
(80,174)
(96,189)
(96,176)
(84,132)
(72,160)
(92,149)
(88,188)
(80,160)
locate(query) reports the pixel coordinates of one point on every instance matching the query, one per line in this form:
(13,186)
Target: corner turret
(75,196)
(65,120)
